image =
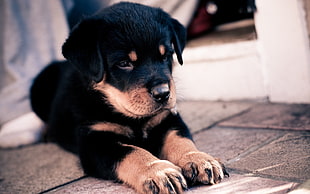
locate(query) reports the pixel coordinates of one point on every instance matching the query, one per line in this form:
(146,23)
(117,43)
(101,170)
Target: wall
(283,44)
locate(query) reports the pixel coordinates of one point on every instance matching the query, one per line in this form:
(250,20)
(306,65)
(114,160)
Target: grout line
(222,120)
(254,148)
(62,185)
(258,126)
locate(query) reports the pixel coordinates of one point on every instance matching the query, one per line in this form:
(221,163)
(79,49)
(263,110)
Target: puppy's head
(125,51)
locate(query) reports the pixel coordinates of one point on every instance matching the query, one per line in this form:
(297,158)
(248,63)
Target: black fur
(64,97)
(113,101)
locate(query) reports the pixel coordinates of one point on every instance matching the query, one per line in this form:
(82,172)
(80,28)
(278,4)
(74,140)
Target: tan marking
(176,146)
(140,167)
(135,103)
(162,49)
(133,56)
(133,168)
(183,152)
(112,127)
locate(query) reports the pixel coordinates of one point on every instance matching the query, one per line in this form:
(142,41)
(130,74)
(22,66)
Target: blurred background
(265,57)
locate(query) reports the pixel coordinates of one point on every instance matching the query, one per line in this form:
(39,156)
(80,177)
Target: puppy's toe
(164,177)
(199,167)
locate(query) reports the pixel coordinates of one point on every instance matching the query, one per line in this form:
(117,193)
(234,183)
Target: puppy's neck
(154,121)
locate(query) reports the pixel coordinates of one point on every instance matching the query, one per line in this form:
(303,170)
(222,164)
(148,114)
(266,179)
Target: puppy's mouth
(159,109)
(138,102)
(137,108)
(141,113)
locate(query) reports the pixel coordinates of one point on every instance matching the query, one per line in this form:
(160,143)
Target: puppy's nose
(161,93)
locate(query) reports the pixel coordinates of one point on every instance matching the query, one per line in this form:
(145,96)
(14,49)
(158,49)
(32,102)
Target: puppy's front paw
(162,177)
(199,167)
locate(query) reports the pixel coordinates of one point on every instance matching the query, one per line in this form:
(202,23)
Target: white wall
(284,49)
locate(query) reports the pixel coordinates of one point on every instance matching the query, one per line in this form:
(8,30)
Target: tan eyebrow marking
(133,56)
(162,49)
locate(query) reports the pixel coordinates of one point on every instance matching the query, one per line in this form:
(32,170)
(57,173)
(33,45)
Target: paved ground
(266,148)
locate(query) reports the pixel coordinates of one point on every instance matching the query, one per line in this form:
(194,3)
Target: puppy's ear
(82,49)
(179,39)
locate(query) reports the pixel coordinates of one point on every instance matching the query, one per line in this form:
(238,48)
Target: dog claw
(202,168)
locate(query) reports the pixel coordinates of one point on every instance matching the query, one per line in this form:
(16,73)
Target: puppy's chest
(135,132)
(142,133)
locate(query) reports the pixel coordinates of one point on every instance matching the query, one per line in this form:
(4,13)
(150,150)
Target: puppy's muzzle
(161,93)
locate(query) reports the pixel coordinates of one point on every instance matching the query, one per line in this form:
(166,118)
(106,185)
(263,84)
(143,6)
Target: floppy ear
(82,49)
(179,39)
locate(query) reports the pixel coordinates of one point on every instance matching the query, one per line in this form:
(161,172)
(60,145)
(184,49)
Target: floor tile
(94,186)
(203,114)
(287,158)
(36,168)
(273,116)
(230,144)
(245,184)
(236,183)
(259,160)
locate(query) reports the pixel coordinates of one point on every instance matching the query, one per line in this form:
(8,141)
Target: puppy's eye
(125,65)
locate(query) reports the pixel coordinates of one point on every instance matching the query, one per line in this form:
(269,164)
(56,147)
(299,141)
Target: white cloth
(31,37)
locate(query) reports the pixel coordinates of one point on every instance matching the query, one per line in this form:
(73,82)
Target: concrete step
(223,65)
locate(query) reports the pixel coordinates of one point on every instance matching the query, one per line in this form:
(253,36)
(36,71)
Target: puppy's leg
(197,167)
(147,174)
(103,156)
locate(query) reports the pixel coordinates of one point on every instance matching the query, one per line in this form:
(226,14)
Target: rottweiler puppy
(114,101)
